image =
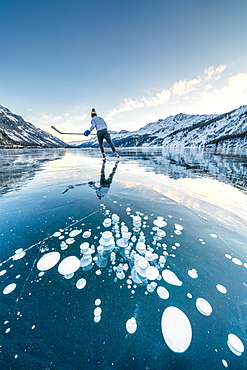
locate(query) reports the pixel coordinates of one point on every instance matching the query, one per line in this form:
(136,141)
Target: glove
(87,132)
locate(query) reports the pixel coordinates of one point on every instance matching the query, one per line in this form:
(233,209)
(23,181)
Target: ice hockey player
(102,133)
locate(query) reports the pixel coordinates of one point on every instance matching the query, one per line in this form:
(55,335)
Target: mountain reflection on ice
(17,167)
(142,282)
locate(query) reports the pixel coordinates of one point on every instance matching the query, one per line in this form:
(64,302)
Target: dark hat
(93,113)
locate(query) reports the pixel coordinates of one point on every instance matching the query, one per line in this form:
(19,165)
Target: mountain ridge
(16,132)
(182,130)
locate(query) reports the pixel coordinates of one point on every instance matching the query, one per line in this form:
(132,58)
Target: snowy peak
(183,130)
(15,132)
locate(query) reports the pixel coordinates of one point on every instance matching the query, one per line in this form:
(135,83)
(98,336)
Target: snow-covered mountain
(182,130)
(15,132)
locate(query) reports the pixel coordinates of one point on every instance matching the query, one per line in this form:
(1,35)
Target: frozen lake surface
(139,263)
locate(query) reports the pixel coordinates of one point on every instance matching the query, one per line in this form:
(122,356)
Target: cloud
(184,87)
(66,118)
(160,98)
(48,118)
(238,83)
(130,104)
(232,95)
(214,74)
(202,84)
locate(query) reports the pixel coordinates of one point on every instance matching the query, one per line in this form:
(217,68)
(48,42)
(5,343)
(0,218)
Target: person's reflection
(105,183)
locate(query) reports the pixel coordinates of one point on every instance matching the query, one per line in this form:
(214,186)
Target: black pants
(104,134)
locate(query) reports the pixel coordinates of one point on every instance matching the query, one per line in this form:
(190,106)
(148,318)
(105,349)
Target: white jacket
(98,123)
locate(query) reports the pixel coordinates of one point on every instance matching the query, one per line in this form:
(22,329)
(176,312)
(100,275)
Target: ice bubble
(3,272)
(189,295)
(160,222)
(107,240)
(81,283)
(7,330)
(19,253)
(155,256)
(57,234)
(122,243)
(100,249)
(177,232)
(228,256)
(126,235)
(171,278)
(151,287)
(86,234)
(131,325)
(107,222)
(74,233)
(69,276)
(193,273)
(63,246)
(235,344)
(221,288)
(237,261)
(141,247)
(162,260)
(97,311)
(160,233)
(107,236)
(138,278)
(176,329)
(178,227)
(70,241)
(97,302)
(113,256)
(162,292)
(9,288)
(120,275)
(69,265)
(48,260)
(203,306)
(98,272)
(128,209)
(97,318)
(213,235)
(152,273)
(137,219)
(86,260)
(84,247)
(148,255)
(141,265)
(224,362)
(115,218)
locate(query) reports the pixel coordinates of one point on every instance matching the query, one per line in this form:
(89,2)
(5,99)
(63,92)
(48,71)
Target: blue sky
(135,61)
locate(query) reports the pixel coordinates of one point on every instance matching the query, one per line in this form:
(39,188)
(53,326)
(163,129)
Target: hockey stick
(68,133)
